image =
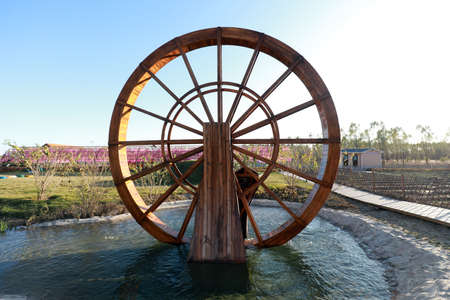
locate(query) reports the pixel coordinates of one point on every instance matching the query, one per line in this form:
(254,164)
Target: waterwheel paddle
(218,230)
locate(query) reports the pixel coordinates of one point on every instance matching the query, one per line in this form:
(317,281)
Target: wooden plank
(162,118)
(266,94)
(157,167)
(284,168)
(251,64)
(187,218)
(219,77)
(158,142)
(286,141)
(169,91)
(217,231)
(247,209)
(277,117)
(426,212)
(194,80)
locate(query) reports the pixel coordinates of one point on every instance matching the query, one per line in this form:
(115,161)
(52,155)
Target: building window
(355,160)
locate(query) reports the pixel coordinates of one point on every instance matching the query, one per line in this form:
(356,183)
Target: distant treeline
(395,142)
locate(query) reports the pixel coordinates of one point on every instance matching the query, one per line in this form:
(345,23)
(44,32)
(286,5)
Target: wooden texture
(246,178)
(217,233)
(215,199)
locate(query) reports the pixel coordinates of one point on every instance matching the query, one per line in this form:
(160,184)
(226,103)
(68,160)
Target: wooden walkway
(426,212)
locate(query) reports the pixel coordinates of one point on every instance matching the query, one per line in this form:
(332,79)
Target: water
(105,261)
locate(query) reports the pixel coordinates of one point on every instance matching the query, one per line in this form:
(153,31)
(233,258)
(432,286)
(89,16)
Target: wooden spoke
(253,186)
(144,172)
(161,198)
(284,168)
(250,172)
(162,118)
(173,187)
(219,144)
(185,175)
(277,117)
(283,205)
(162,165)
(158,142)
(245,79)
(266,188)
(266,94)
(187,218)
(194,81)
(219,76)
(169,91)
(288,141)
(249,212)
(143,80)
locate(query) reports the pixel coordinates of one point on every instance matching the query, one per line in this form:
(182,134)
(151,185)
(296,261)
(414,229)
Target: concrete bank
(415,268)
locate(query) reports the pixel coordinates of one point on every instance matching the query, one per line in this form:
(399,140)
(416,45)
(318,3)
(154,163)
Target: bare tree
(91,189)
(44,163)
(426,139)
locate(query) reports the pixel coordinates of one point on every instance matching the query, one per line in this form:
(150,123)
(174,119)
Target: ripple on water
(121,260)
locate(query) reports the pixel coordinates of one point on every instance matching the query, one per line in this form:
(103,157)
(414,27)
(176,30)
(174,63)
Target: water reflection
(220,278)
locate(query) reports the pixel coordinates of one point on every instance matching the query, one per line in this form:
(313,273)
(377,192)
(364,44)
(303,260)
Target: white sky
(391,62)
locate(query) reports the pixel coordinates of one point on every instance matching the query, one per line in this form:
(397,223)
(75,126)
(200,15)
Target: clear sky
(63,63)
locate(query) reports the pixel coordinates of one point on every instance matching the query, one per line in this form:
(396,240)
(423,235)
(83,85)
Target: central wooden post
(217,232)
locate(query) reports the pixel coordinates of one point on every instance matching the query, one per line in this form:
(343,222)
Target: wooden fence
(425,190)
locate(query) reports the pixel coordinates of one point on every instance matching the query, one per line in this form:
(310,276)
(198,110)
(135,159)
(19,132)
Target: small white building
(360,159)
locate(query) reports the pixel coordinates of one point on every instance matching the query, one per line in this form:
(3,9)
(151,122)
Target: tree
(381,140)
(426,139)
(91,189)
(355,135)
(43,162)
(447,137)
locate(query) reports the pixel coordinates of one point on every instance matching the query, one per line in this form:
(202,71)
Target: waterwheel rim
(260,43)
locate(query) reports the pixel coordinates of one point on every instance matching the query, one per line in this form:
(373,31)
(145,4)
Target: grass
(18,204)
(300,192)
(3,226)
(17,197)
(276,180)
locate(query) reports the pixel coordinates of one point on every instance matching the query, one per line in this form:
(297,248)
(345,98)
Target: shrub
(3,226)
(44,163)
(91,190)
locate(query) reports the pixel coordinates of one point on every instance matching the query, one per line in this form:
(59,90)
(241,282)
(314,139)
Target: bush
(91,191)
(44,163)
(3,226)
(288,193)
(196,177)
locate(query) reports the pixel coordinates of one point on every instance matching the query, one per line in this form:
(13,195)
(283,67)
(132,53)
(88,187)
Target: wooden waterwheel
(220,202)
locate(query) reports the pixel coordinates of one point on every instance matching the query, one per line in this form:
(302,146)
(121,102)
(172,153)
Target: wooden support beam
(217,233)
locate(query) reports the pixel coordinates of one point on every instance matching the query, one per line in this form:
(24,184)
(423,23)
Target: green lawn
(17,196)
(277,180)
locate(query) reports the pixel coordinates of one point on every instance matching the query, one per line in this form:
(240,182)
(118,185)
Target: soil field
(425,186)
(425,173)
